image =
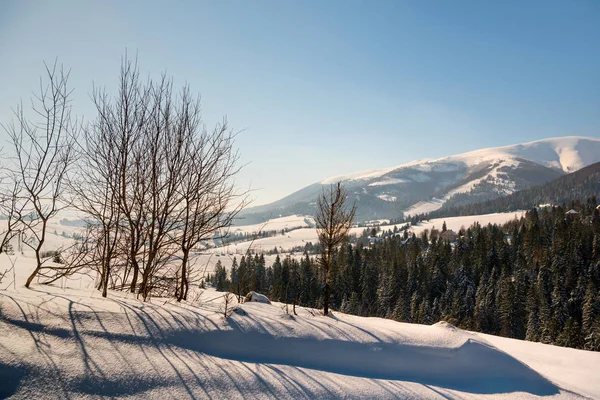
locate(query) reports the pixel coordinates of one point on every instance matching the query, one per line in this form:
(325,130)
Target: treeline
(287,280)
(537,278)
(234,237)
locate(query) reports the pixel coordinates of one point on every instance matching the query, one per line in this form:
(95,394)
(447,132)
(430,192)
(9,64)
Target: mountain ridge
(580,185)
(425,185)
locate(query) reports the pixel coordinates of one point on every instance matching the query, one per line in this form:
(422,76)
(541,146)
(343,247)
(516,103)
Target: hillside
(426,185)
(580,185)
(66,343)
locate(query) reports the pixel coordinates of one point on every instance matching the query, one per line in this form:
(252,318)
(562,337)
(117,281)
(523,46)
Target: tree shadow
(182,339)
(473,367)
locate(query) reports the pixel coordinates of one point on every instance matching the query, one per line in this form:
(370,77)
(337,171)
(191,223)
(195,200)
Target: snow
(65,341)
(57,235)
(571,368)
(289,222)
(300,237)
(388,181)
(387,197)
(423,207)
(357,176)
(435,204)
(297,237)
(456,223)
(71,343)
(257,297)
(568,153)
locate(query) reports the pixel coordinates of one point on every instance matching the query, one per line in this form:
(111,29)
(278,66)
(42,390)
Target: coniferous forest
(537,278)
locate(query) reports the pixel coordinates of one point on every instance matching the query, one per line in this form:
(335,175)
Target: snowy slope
(300,237)
(72,344)
(426,185)
(277,224)
(457,223)
(568,153)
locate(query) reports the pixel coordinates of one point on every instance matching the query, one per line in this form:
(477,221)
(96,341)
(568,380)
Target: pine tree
(368,283)
(504,300)
(570,336)
(235,276)
(533,332)
(591,308)
(544,310)
(401,308)
(220,277)
(414,308)
(278,283)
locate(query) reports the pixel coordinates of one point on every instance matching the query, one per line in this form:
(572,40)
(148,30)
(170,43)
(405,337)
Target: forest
(537,278)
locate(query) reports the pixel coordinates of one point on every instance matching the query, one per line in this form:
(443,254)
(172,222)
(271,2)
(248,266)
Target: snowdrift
(72,344)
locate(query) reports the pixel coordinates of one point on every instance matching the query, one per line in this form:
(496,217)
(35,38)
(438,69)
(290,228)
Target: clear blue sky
(330,87)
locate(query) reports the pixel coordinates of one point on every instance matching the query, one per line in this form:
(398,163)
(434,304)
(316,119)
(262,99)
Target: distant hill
(580,185)
(428,185)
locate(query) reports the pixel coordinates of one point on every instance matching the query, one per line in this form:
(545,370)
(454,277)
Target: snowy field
(61,236)
(299,237)
(73,344)
(456,223)
(289,222)
(66,341)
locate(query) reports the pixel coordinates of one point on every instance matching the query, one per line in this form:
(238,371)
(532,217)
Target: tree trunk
(136,271)
(326,298)
(30,279)
(184,281)
(106,275)
(134,262)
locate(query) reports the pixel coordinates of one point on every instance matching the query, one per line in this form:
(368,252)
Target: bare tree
(228,305)
(154,184)
(11,207)
(207,193)
(44,154)
(95,192)
(108,186)
(333,222)
(166,158)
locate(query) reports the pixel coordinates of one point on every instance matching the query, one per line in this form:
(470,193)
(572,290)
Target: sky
(323,88)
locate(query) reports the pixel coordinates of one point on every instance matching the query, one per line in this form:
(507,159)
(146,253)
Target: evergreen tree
(278,283)
(235,276)
(536,278)
(220,277)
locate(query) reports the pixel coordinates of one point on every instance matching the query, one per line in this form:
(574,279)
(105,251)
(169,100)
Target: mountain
(426,185)
(577,186)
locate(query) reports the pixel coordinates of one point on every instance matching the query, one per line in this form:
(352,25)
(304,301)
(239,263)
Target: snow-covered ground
(206,260)
(71,343)
(423,207)
(456,223)
(299,237)
(289,222)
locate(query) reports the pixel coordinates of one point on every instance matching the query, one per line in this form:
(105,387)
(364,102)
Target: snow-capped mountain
(426,185)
